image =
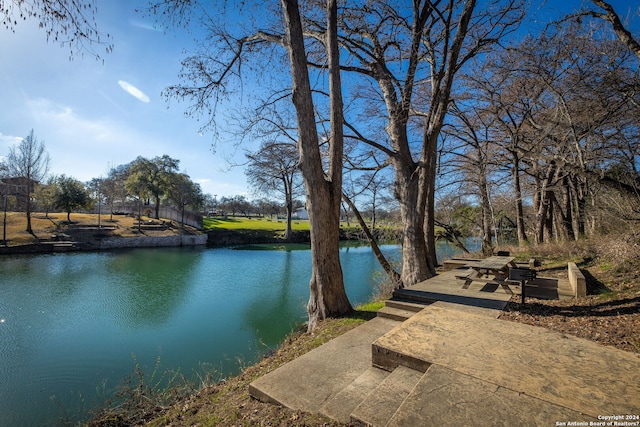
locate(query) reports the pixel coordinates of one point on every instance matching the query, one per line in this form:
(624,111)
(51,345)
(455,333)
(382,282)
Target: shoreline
(108,243)
(211,238)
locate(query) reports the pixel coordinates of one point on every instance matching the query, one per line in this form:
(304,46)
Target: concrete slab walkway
(452,362)
(309,381)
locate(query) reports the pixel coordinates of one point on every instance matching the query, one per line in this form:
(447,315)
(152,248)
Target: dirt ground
(609,314)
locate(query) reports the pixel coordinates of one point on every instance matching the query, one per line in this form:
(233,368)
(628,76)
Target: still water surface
(72,324)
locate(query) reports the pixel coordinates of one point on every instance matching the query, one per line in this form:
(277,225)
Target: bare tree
(29,161)
(274,167)
(324,190)
(562,106)
(589,98)
(608,13)
(413,54)
(183,192)
(374,185)
(473,161)
(505,91)
(210,76)
(70,23)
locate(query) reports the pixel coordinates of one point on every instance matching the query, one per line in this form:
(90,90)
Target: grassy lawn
(241,223)
(264,224)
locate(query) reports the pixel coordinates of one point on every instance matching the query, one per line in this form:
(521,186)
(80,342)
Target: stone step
(378,408)
(312,379)
(414,297)
(404,304)
(557,368)
(340,406)
(464,299)
(397,314)
(445,397)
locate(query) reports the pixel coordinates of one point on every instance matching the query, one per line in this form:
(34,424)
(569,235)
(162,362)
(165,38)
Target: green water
(71,324)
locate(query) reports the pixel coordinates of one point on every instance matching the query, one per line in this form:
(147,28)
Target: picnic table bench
(495,269)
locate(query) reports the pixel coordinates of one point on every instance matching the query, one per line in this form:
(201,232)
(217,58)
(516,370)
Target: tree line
(142,182)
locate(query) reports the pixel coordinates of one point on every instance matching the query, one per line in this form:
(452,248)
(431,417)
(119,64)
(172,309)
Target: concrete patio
(438,355)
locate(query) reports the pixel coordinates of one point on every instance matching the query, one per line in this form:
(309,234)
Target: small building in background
(301,213)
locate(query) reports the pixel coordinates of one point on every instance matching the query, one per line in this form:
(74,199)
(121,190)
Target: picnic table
(494,269)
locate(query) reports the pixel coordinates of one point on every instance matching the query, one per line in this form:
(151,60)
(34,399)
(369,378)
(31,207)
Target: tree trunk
(157,207)
(567,212)
(543,203)
(327,294)
(427,187)
(522,234)
(441,85)
(548,220)
(541,214)
(487,241)
(414,248)
(578,190)
(28,206)
(29,229)
(288,232)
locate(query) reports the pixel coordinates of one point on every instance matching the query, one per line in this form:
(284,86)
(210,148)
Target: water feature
(72,324)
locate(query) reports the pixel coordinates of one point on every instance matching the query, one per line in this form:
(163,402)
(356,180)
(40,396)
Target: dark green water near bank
(72,324)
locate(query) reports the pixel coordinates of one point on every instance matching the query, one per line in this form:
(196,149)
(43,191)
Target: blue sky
(93,115)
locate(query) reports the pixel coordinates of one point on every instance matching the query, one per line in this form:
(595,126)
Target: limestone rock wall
(151,242)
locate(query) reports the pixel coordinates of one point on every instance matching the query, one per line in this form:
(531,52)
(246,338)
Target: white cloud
(79,146)
(7,141)
(134,91)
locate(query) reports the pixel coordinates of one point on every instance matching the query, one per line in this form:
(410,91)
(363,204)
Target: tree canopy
(70,195)
(152,178)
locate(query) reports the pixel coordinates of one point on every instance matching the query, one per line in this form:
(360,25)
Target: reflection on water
(150,285)
(71,322)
